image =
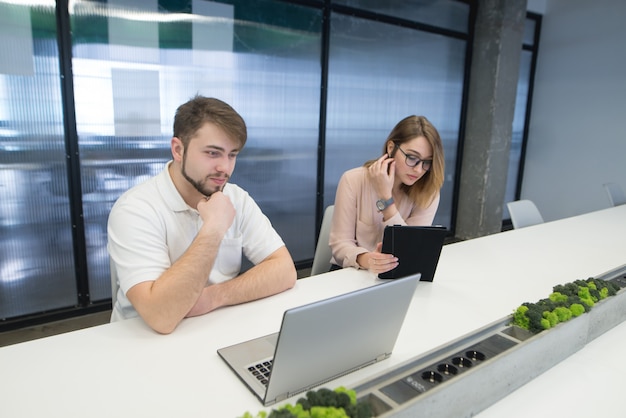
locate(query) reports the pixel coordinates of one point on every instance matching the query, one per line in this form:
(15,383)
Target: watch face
(381,204)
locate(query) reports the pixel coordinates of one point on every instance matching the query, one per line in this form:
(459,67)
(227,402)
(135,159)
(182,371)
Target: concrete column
(491,103)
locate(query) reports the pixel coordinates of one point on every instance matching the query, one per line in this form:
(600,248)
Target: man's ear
(178,149)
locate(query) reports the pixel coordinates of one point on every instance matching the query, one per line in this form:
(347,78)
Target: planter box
(473,372)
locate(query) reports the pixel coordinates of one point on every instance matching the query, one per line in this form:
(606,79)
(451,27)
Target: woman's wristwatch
(382,204)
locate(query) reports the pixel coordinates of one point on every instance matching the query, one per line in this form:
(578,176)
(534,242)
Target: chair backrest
(615,194)
(321,260)
(524,213)
(114,285)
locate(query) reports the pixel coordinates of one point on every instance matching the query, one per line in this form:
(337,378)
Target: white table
(126,369)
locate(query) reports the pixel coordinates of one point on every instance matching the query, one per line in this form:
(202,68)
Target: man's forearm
(273,275)
(166,301)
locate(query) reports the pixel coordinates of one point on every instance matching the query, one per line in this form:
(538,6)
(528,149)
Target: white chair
(321,260)
(114,285)
(524,213)
(615,194)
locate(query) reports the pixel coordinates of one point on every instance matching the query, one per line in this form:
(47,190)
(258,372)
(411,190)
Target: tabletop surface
(126,369)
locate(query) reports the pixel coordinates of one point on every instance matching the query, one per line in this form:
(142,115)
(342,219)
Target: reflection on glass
(36,252)
(529,32)
(515,153)
(367,97)
(448,14)
(265,64)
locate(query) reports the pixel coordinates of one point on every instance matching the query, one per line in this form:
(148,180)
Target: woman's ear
(390,148)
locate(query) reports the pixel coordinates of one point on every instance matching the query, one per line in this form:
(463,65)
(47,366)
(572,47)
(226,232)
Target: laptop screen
(326,339)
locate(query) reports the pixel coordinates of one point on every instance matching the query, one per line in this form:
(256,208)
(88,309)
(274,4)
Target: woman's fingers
(381,263)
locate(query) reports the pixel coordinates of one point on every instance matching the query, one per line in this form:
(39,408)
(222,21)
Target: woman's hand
(376,261)
(382,174)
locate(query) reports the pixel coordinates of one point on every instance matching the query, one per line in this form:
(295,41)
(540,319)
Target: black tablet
(417,248)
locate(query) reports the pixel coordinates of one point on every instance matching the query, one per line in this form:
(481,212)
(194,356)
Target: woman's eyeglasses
(413,161)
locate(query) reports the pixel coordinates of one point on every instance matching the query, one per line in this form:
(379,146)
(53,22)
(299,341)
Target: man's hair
(192,116)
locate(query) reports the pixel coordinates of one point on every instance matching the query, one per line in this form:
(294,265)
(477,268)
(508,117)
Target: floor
(53,328)
(73,324)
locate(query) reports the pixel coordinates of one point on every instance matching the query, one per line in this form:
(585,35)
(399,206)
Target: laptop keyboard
(261,371)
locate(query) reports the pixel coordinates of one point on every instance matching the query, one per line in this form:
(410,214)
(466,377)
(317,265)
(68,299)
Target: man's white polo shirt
(150,227)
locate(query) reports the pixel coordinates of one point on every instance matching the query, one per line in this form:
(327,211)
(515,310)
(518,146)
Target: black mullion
(321,147)
(72,151)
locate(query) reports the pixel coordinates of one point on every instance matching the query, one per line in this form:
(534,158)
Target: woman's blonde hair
(423,191)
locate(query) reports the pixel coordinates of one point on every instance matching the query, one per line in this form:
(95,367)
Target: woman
(399,188)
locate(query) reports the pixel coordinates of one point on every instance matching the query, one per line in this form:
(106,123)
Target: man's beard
(200,186)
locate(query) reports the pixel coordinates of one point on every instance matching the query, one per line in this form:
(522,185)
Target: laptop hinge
(281,397)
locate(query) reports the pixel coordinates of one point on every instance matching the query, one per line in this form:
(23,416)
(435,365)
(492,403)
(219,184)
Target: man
(176,241)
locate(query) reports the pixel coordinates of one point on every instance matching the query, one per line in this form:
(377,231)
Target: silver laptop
(323,340)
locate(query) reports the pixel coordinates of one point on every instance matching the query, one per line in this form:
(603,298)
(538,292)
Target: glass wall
(519,129)
(372,86)
(440,14)
(36,251)
(136,62)
(86,112)
(520,118)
